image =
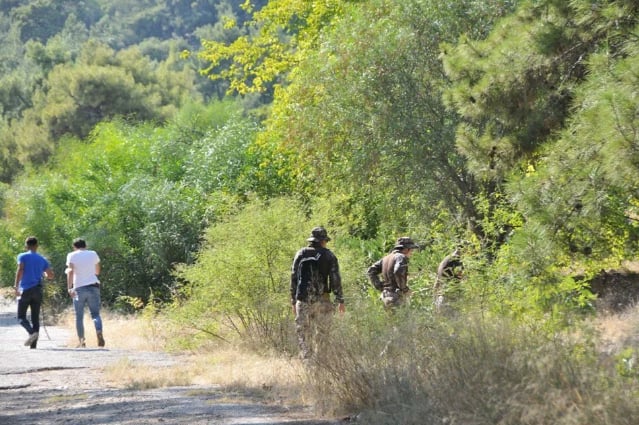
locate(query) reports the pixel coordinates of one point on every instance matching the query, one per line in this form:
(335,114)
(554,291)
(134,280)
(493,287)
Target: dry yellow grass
(224,366)
(7,293)
(619,330)
(227,368)
(120,332)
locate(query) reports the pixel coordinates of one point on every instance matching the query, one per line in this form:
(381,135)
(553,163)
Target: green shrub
(240,280)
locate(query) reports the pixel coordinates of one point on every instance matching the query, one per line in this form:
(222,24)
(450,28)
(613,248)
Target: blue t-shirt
(34,266)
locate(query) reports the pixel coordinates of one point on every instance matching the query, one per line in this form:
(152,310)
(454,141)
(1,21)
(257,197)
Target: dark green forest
(194,144)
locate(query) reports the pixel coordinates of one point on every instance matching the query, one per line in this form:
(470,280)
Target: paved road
(18,363)
(57,384)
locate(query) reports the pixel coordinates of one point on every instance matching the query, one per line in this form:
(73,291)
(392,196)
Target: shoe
(34,344)
(100,340)
(32,338)
(81,344)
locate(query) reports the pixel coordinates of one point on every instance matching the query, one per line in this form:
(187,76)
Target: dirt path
(57,384)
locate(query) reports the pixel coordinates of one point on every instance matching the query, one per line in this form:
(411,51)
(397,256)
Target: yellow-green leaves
(272,44)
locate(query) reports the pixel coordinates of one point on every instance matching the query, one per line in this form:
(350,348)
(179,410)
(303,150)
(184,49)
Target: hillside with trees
(195,144)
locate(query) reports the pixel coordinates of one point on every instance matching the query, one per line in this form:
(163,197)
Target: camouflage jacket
(450,267)
(315,272)
(394,271)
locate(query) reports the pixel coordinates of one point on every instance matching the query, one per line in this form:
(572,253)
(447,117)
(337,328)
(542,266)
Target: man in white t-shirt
(83,268)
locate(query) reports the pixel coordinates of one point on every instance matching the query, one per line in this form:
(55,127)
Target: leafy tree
(365,120)
(101,85)
(273,43)
(41,20)
(142,205)
(514,89)
(547,107)
(241,276)
(584,187)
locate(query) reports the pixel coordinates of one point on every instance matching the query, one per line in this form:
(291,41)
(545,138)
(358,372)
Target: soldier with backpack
(314,275)
(394,270)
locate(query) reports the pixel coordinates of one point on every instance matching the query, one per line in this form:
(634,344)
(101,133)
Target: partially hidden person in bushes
(83,268)
(28,288)
(394,271)
(451,269)
(314,276)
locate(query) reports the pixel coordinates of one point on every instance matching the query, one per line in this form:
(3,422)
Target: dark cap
(405,243)
(318,234)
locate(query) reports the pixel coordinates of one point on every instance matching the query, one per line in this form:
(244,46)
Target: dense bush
(141,205)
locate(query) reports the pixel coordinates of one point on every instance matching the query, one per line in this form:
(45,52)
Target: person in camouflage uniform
(451,269)
(314,275)
(394,270)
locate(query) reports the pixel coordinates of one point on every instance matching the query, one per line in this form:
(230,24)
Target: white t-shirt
(84,262)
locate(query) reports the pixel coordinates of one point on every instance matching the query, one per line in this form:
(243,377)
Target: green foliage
(626,363)
(272,43)
(41,20)
(66,66)
(128,304)
(242,275)
(140,205)
(515,89)
(547,103)
(9,250)
(103,85)
(582,190)
(223,161)
(364,122)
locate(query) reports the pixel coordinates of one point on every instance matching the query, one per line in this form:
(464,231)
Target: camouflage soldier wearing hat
(314,275)
(394,270)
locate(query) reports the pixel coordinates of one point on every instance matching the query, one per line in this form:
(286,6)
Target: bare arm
(70,279)
(49,273)
(19,273)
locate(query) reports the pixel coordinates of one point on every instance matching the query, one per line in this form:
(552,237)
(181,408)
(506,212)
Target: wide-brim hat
(318,234)
(405,243)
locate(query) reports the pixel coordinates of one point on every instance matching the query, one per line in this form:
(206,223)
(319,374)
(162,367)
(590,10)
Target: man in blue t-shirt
(28,285)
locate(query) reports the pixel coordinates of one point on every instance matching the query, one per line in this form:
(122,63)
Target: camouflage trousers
(392,298)
(312,324)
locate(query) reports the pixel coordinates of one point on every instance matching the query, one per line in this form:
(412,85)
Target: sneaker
(34,344)
(100,340)
(32,338)
(81,344)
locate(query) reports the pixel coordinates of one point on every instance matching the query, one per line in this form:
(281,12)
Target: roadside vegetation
(195,146)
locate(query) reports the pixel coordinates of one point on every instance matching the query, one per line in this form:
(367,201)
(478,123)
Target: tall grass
(410,367)
(406,369)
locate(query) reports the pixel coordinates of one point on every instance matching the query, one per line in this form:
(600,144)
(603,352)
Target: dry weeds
(225,366)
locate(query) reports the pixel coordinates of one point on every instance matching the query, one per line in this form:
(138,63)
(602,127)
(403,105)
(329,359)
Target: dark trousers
(30,299)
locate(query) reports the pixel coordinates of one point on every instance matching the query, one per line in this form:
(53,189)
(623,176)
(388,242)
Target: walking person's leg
(94,308)
(321,319)
(78,306)
(23,305)
(30,299)
(36,306)
(302,326)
